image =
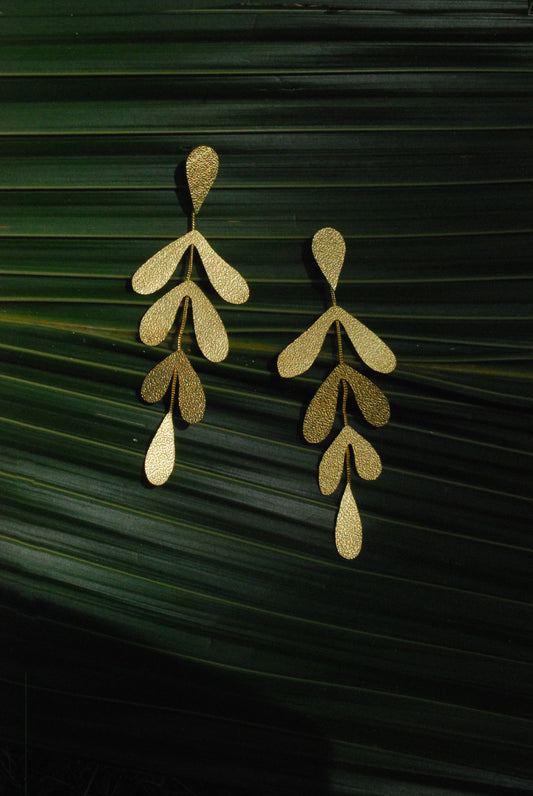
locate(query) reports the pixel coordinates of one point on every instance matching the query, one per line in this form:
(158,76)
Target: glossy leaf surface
(209,627)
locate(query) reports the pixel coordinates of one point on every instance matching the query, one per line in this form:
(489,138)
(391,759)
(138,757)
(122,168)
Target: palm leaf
(208,627)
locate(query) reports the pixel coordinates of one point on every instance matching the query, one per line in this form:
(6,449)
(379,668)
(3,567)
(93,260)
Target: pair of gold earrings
(175,372)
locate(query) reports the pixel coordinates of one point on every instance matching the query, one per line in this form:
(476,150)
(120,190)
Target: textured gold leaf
(348,528)
(320,415)
(159,461)
(210,332)
(299,355)
(157,381)
(226,280)
(191,396)
(157,321)
(202,169)
(370,400)
(332,462)
(156,271)
(329,250)
(368,345)
(367,461)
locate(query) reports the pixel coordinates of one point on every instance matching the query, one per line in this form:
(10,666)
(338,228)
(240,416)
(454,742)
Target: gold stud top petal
(329,250)
(202,169)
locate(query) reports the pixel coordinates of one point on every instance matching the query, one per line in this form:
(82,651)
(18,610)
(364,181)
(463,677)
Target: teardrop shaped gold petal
(210,332)
(329,250)
(370,400)
(156,271)
(299,355)
(320,415)
(160,457)
(348,527)
(157,381)
(202,169)
(191,396)
(332,463)
(157,322)
(226,280)
(367,461)
(368,345)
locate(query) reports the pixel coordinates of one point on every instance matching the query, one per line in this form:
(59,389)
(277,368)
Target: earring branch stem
(187,276)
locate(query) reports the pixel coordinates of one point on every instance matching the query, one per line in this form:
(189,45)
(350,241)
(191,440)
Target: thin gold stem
(187,277)
(338,328)
(348,466)
(173,389)
(191,250)
(344,388)
(186,301)
(344,400)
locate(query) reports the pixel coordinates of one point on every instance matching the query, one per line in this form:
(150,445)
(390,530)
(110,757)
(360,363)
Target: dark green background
(208,628)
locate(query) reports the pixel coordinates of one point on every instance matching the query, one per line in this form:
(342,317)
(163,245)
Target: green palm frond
(208,628)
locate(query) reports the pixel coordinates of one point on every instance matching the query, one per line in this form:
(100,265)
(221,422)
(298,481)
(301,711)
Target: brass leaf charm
(332,463)
(320,415)
(226,280)
(367,461)
(329,250)
(175,371)
(371,348)
(157,322)
(160,457)
(348,528)
(210,332)
(370,400)
(299,355)
(157,381)
(156,271)
(202,169)
(191,396)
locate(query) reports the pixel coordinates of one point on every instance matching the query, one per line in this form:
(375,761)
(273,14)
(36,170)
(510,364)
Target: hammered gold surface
(210,332)
(329,250)
(226,280)
(348,528)
(160,457)
(299,355)
(320,415)
(368,345)
(370,400)
(156,271)
(157,381)
(332,462)
(202,169)
(367,461)
(157,322)
(191,396)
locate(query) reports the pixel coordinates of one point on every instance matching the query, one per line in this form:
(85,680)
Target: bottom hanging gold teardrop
(161,454)
(348,528)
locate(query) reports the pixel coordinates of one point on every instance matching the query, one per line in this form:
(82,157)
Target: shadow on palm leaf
(144,710)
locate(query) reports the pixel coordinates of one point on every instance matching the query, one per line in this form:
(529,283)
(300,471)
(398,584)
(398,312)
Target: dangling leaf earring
(329,249)
(176,370)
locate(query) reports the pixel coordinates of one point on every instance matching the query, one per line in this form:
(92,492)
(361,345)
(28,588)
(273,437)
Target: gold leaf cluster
(329,251)
(176,370)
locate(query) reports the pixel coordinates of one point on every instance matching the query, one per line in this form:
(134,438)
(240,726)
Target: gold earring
(329,250)
(176,370)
